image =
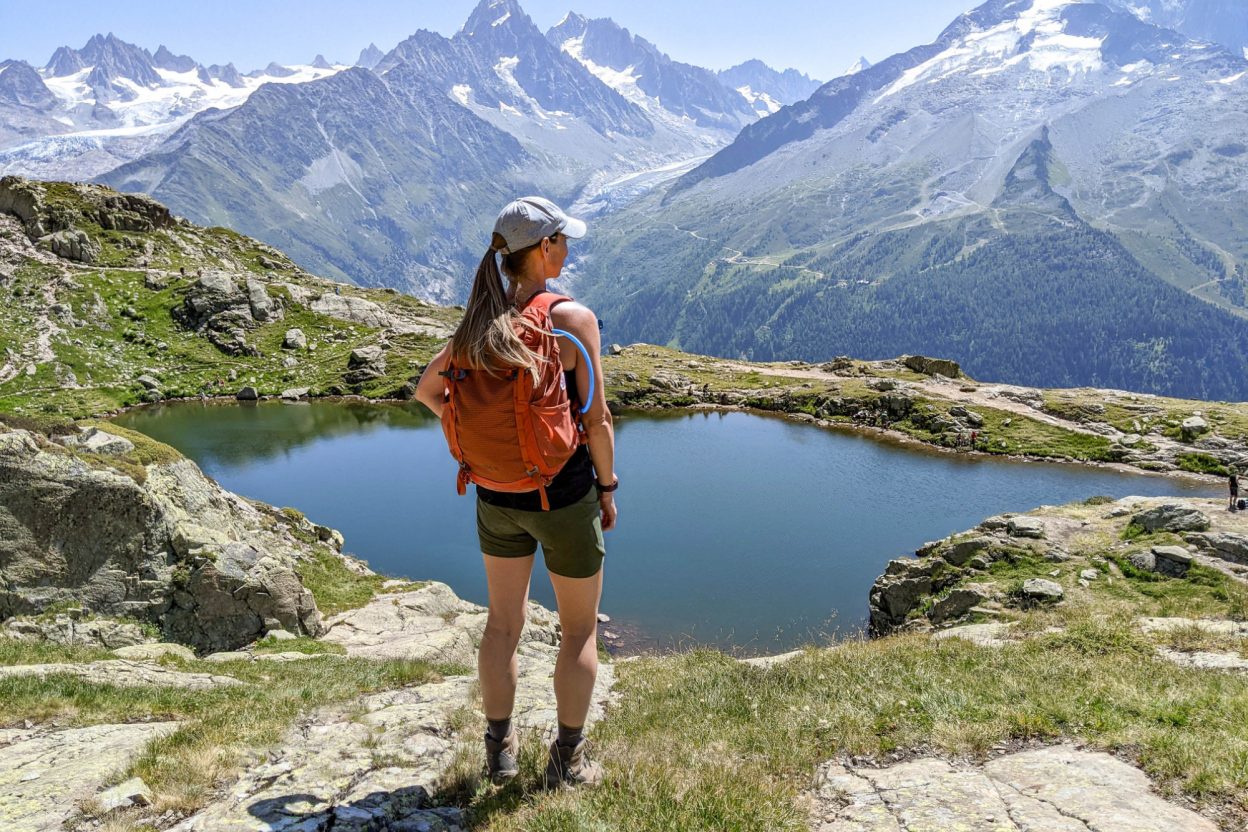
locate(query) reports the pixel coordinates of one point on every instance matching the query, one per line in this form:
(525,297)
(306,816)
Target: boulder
(98,441)
(615,349)
(1193,427)
(958,603)
(148,382)
(1025,527)
(216,306)
(1171,517)
(263,308)
(669,381)
(355,310)
(1038,589)
(365,364)
(898,404)
(963,550)
(363,356)
(202,564)
(294,394)
(295,340)
(1172,561)
(1228,546)
(932,366)
(1143,561)
(73,244)
(898,591)
(247,394)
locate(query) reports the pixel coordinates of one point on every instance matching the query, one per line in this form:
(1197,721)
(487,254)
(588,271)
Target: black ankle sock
(498,728)
(570,737)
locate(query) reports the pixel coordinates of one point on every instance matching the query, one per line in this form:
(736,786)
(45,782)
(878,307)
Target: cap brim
(574,228)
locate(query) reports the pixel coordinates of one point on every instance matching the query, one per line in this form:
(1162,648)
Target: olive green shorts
(571,536)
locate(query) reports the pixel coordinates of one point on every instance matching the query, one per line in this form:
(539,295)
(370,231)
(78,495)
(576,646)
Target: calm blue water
(740,531)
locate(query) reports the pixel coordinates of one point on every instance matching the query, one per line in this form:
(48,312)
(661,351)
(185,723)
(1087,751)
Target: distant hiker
(337,290)
(544,469)
(183,271)
(1232,483)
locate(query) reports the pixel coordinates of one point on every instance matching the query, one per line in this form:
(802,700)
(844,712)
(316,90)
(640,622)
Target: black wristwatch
(607,489)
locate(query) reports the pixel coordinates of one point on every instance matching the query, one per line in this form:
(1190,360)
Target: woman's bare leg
(577,665)
(497,667)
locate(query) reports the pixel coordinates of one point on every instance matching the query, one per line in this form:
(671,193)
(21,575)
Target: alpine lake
(750,533)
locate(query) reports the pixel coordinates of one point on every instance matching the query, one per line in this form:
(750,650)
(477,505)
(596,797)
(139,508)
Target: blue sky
(820,37)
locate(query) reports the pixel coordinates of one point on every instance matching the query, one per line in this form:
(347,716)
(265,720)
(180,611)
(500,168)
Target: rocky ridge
(166,309)
(992,574)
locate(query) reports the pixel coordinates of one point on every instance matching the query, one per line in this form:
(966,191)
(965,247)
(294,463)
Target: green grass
(335,587)
(303,644)
(1202,593)
(1200,463)
(699,741)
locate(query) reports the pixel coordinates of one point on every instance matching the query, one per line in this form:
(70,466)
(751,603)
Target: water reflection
(246,432)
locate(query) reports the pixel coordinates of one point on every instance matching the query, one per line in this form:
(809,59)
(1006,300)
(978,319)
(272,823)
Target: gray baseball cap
(527,220)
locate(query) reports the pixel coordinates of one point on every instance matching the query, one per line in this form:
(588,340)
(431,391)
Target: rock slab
(1056,789)
(43,776)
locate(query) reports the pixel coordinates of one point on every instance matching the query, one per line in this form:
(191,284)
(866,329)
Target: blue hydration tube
(589,364)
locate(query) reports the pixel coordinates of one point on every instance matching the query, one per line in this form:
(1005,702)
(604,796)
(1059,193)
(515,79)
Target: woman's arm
(599,429)
(429,388)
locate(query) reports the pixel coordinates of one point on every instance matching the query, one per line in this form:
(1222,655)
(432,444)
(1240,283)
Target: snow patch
(178,96)
(625,83)
(461,93)
(768,104)
(501,20)
(1232,79)
(505,69)
(999,46)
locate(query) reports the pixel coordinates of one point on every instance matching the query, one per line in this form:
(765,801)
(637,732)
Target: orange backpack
(507,431)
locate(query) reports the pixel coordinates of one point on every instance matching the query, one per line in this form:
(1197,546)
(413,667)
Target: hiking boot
(571,766)
(501,757)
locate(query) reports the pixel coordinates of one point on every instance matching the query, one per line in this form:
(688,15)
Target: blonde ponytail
(486,337)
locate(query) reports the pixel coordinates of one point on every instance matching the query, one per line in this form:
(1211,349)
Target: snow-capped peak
(857,66)
(492,14)
(1036,37)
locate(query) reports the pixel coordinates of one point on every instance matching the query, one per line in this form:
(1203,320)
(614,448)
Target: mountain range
(88,110)
(398,196)
(1052,192)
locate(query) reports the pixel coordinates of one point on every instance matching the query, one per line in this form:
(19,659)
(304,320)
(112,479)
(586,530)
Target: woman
(532,235)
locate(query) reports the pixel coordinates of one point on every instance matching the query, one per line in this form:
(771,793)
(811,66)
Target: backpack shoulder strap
(545,301)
